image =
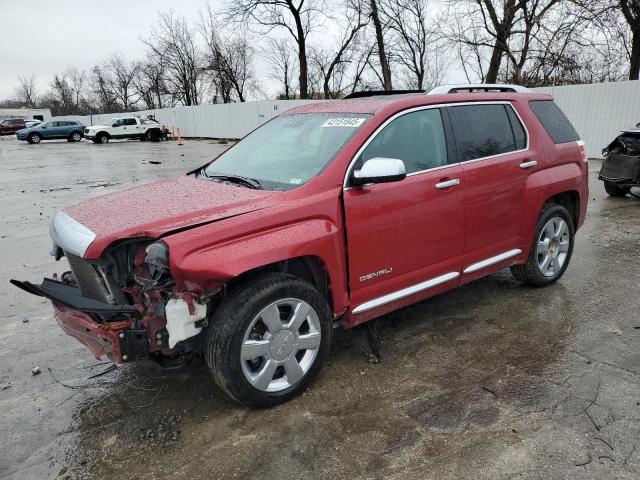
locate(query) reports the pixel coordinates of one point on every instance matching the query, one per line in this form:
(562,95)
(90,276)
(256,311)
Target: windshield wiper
(249,182)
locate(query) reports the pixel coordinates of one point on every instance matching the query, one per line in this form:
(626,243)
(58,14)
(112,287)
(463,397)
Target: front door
(405,239)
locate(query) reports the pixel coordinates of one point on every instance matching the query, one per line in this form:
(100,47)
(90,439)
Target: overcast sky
(44,37)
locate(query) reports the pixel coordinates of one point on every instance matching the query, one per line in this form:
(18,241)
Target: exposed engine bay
(129,291)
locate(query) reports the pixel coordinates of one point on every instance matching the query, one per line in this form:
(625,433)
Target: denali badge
(379,273)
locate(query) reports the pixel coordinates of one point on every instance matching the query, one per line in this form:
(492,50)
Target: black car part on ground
(621,169)
(622,161)
(71,297)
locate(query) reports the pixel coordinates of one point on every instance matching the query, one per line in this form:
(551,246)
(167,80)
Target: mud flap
(70,297)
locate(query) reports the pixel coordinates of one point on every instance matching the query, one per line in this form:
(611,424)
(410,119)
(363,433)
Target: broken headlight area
(125,305)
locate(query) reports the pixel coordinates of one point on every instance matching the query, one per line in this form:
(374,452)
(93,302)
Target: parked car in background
(11,125)
(620,170)
(122,128)
(330,214)
(32,123)
(53,129)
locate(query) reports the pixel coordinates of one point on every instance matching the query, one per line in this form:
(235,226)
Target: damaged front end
(125,305)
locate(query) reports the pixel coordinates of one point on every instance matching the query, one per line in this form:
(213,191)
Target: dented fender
(204,259)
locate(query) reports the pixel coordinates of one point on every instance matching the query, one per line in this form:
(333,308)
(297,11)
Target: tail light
(583,151)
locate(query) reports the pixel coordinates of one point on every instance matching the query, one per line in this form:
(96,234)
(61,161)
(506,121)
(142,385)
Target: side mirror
(379,170)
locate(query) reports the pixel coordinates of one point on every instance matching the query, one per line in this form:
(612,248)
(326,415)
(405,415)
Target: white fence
(229,120)
(598,111)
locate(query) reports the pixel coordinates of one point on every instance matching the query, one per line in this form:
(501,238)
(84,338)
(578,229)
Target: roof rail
(484,87)
(378,93)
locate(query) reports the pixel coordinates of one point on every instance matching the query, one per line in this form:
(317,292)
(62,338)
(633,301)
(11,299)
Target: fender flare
(545,184)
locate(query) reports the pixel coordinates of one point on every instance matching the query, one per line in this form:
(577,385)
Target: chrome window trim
(439,105)
(487,262)
(405,292)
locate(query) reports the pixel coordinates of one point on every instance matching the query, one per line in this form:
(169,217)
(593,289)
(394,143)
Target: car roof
(374,104)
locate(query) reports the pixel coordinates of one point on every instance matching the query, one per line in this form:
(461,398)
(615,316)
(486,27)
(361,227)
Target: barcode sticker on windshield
(343,122)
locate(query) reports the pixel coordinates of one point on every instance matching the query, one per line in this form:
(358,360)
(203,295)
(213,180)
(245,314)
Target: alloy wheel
(280,345)
(553,247)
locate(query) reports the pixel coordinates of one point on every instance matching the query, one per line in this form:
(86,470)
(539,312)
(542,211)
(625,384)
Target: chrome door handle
(529,164)
(449,183)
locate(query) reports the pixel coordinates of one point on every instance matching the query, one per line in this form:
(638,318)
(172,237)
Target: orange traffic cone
(179,137)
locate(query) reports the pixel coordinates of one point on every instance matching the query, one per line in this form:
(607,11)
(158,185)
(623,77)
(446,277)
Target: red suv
(332,213)
(11,125)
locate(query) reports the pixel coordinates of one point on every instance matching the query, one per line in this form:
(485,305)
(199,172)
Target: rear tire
(34,138)
(267,340)
(615,190)
(551,248)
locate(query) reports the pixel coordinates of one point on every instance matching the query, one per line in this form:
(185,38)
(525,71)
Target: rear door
(493,148)
(130,127)
(405,239)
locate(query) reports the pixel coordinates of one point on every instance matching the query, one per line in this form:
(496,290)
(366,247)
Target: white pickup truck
(125,127)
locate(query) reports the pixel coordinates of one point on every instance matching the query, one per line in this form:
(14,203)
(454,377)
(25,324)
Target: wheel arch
(309,268)
(569,199)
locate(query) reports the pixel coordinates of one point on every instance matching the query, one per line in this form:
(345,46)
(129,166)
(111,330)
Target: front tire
(268,339)
(103,138)
(551,248)
(75,137)
(615,190)
(34,138)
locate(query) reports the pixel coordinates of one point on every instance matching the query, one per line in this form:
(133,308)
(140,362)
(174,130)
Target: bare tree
(631,11)
(228,58)
(279,55)
(332,65)
(298,18)
(60,97)
(174,42)
(382,55)
(26,92)
(416,44)
(121,75)
(149,82)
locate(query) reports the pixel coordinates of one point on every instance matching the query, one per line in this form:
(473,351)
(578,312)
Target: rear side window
(485,130)
(554,121)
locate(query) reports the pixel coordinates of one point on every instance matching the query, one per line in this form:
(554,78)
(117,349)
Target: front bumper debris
(115,339)
(71,297)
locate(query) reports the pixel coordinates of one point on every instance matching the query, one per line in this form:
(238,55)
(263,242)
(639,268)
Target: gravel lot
(491,381)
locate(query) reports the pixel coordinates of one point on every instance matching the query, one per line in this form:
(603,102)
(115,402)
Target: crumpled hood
(158,208)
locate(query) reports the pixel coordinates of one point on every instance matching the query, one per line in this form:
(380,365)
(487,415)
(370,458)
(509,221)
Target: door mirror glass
(379,170)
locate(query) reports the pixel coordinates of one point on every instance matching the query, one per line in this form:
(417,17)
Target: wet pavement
(491,381)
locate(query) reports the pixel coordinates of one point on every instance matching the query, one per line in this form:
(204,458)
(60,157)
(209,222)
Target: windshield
(5,122)
(289,150)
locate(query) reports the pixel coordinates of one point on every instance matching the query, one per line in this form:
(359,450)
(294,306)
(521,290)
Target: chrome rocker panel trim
(405,292)
(474,267)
